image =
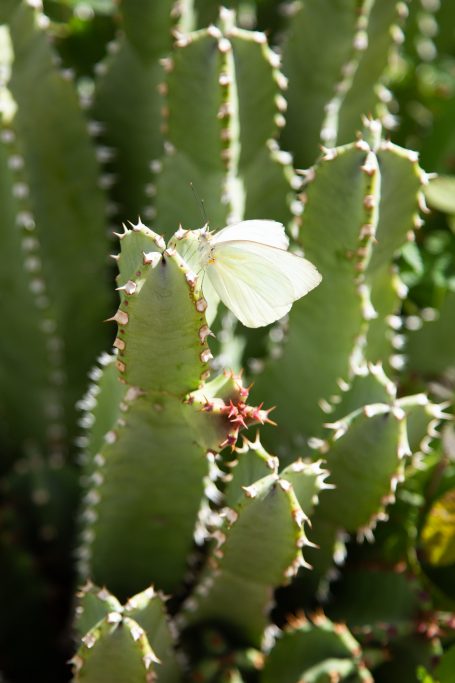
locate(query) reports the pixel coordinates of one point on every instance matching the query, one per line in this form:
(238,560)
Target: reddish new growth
(241,415)
(231,406)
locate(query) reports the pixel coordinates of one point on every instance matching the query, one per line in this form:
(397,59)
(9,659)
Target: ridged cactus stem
(381,186)
(215,140)
(331,121)
(169,420)
(40,354)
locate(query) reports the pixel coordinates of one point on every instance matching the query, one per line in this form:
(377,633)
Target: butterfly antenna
(201,202)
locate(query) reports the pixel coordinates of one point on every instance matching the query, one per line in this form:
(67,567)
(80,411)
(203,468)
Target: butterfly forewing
(257,282)
(263,232)
(284,273)
(251,271)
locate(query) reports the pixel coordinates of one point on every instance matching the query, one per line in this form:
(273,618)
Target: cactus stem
(119,344)
(224,79)
(201,305)
(128,288)
(181,232)
(206,355)
(328,154)
(214,32)
(181,40)
(281,80)
(100,69)
(150,190)
(205,332)
(7,136)
(191,278)
(152,258)
(422,203)
(224,45)
(120,317)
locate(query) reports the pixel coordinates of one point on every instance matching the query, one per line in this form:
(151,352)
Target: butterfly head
(205,247)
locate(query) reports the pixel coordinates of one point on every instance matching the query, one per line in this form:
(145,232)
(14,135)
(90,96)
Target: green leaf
(438,533)
(444,670)
(440,193)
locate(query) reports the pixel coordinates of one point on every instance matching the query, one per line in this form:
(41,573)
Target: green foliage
(205,557)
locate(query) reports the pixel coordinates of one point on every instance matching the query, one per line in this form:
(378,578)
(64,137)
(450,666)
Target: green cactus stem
(380,185)
(313,651)
(128,80)
(331,52)
(223,108)
(235,588)
(54,142)
(136,639)
(154,456)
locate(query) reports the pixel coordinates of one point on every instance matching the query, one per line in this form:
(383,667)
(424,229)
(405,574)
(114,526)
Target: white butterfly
(252,272)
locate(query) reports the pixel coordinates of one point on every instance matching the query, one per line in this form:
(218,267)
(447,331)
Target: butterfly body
(206,249)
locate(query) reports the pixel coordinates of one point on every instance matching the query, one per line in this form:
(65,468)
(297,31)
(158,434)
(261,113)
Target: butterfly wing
(261,231)
(258,282)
